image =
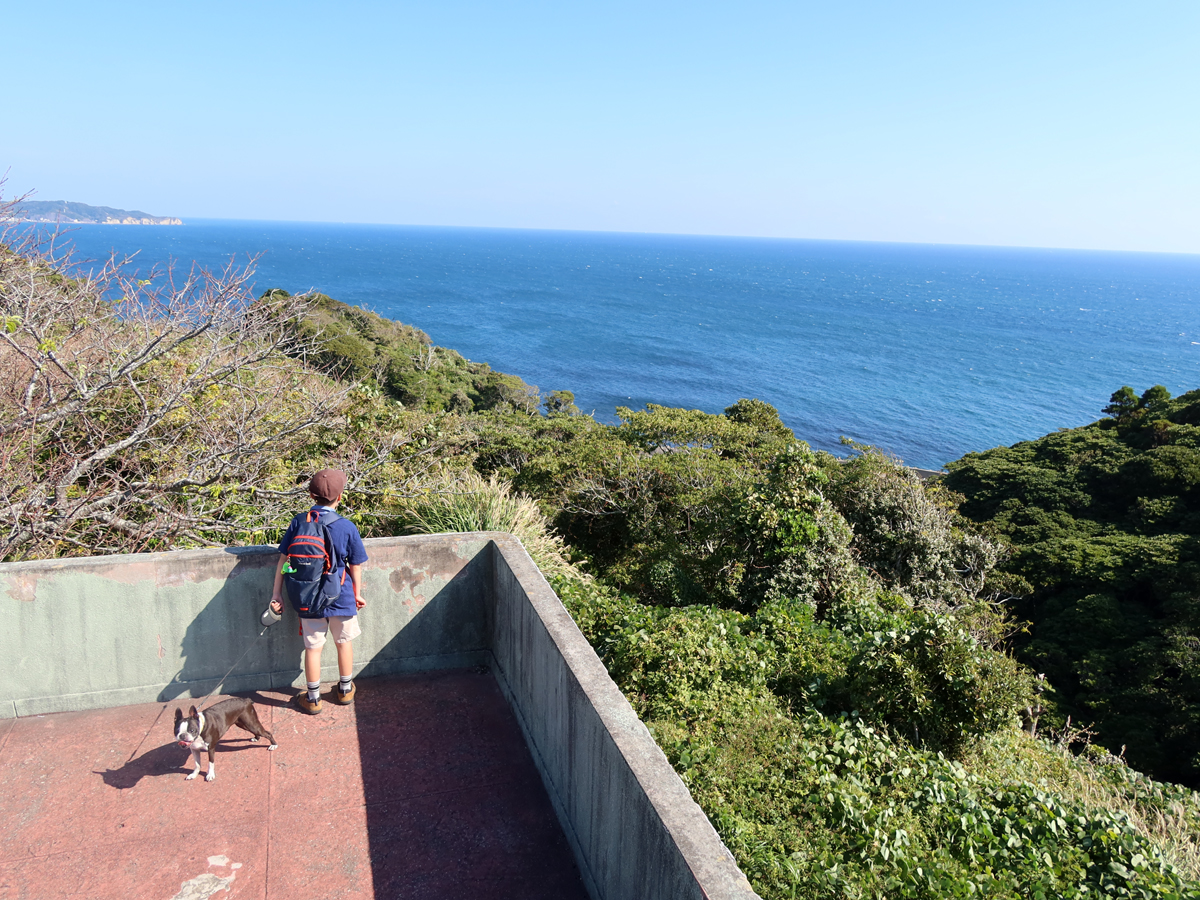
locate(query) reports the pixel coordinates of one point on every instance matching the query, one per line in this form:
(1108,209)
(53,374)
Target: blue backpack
(312,572)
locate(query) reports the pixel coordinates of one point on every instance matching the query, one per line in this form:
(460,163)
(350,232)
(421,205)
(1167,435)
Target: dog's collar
(200,723)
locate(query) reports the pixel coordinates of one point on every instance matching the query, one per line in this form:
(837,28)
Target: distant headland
(70,213)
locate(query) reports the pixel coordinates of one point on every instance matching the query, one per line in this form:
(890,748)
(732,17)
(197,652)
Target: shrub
(145,413)
(821,804)
(924,675)
(908,532)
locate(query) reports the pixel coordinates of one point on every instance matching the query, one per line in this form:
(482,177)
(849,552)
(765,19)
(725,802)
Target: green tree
(761,415)
(1155,398)
(1122,403)
(560,403)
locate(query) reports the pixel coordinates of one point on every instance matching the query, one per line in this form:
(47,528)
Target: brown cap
(328,484)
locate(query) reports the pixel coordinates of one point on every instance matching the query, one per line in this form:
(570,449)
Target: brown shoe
(312,707)
(344,698)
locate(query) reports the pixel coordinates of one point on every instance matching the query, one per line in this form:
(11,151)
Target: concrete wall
(108,631)
(114,630)
(631,821)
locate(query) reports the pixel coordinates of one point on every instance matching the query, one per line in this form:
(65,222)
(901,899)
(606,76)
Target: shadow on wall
(229,627)
(427,623)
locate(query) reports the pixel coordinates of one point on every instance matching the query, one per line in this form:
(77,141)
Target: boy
(325,489)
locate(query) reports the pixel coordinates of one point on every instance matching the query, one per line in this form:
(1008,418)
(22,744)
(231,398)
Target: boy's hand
(359,602)
(276,606)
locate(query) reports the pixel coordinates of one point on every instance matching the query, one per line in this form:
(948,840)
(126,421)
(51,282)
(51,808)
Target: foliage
(560,403)
(686,509)
(650,502)
(909,533)
(927,677)
(137,413)
(358,345)
(920,674)
(794,543)
(818,801)
(683,507)
(759,414)
(1104,522)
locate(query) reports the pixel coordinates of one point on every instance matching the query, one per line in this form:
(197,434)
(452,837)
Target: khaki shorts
(343,628)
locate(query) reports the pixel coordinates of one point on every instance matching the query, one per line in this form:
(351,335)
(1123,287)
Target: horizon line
(688,234)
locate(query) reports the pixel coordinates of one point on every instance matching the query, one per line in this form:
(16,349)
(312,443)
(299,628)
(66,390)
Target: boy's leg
(312,672)
(344,631)
(314,631)
(345,655)
(312,663)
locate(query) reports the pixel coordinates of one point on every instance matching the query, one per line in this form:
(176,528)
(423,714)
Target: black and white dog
(200,731)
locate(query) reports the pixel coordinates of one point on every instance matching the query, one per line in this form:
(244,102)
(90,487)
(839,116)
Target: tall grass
(465,501)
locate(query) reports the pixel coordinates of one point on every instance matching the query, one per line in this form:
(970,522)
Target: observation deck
(487,754)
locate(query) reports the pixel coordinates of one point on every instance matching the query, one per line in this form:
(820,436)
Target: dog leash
(231,668)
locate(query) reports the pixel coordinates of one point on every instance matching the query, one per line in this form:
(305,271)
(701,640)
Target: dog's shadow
(169,759)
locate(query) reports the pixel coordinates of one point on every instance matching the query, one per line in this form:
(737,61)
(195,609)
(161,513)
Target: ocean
(926,351)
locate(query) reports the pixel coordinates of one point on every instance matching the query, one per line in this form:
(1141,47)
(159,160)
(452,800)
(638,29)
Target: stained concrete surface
(423,788)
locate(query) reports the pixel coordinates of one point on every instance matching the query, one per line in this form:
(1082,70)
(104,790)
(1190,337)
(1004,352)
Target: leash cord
(231,668)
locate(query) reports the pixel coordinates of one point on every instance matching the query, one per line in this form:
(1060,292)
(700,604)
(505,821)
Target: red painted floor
(423,788)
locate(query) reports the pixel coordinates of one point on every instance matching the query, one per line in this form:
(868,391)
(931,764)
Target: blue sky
(1035,124)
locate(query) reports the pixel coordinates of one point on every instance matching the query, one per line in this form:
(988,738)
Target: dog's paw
(211,776)
(254,740)
(273,746)
(193,775)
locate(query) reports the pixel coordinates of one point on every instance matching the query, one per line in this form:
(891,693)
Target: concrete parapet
(631,821)
(109,631)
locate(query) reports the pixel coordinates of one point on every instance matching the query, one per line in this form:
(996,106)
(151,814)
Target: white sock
(344,683)
(314,691)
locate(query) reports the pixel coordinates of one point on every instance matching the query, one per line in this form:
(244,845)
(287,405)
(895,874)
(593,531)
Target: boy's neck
(324,505)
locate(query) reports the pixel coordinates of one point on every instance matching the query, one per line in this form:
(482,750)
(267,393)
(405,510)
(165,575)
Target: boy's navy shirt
(349,551)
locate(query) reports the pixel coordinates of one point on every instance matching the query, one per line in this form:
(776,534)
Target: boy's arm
(277,590)
(356,577)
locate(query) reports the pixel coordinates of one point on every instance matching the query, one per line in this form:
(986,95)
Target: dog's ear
(178,716)
(192,713)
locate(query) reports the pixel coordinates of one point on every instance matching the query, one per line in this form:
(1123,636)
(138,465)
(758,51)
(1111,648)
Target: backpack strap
(327,517)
